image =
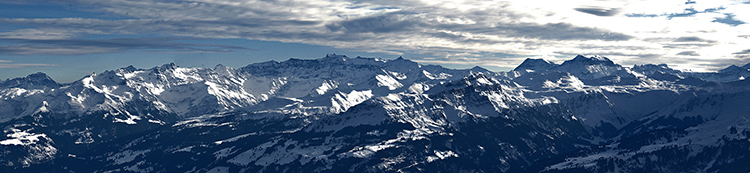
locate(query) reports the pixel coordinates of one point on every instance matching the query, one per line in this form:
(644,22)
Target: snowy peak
(535,64)
(170,66)
(648,69)
(387,115)
(478,79)
(33,81)
(334,58)
(480,69)
(733,69)
(130,68)
(581,66)
(593,60)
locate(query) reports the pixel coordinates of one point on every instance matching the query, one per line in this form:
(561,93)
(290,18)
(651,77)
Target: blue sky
(68,39)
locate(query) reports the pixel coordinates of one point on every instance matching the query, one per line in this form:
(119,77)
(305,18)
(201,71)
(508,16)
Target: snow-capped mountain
(338,114)
(729,74)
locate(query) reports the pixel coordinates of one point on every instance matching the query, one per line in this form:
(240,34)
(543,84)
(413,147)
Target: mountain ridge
(528,63)
(367,114)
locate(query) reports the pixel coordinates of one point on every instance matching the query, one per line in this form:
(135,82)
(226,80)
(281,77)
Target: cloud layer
(700,36)
(11,64)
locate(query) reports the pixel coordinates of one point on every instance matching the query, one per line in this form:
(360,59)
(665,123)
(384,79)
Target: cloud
(33,33)
(689,42)
(693,39)
(746,51)
(390,22)
(689,53)
(559,31)
(394,29)
(599,11)
(448,32)
(416,23)
(688,12)
(10,64)
(90,46)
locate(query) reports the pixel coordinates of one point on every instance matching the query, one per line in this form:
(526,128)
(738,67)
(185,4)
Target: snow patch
(235,138)
(249,156)
(126,156)
(438,76)
(399,76)
(366,151)
(18,137)
(440,155)
(342,101)
(388,81)
(326,86)
(219,169)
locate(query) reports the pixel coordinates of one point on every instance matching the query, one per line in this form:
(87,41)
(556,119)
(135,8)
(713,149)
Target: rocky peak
(733,69)
(535,64)
(37,81)
(592,60)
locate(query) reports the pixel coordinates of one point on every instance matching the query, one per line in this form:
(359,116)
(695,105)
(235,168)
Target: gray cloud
(554,31)
(689,53)
(84,46)
(746,51)
(693,39)
(423,24)
(390,22)
(642,56)
(689,42)
(449,33)
(10,64)
(599,11)
(277,21)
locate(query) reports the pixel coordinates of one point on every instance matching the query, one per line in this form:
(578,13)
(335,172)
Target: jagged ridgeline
(341,114)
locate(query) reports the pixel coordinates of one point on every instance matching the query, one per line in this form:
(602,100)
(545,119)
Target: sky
(68,39)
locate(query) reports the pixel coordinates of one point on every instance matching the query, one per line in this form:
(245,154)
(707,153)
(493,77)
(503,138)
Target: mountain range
(342,114)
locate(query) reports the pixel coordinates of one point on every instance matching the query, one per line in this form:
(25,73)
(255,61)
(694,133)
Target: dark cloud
(689,53)
(224,28)
(608,47)
(556,31)
(417,24)
(693,39)
(605,53)
(389,22)
(85,46)
(686,46)
(599,11)
(11,64)
(746,51)
(465,39)
(26,65)
(689,42)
